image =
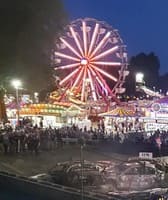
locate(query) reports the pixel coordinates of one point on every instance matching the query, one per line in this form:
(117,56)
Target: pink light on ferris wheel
(76,40)
(69,76)
(93,38)
(62,55)
(90,48)
(99,79)
(106,63)
(100,44)
(105,53)
(92,86)
(104,73)
(102,82)
(68,66)
(84,37)
(70,47)
(83,84)
(77,79)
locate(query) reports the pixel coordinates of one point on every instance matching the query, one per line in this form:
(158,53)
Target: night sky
(141,24)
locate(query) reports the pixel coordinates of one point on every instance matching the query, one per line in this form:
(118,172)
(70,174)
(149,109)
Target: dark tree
(29,30)
(3,115)
(149,65)
(163,82)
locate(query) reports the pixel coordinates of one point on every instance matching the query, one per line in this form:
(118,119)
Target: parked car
(73,173)
(135,175)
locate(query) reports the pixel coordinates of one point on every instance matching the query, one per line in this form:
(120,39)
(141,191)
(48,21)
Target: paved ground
(28,164)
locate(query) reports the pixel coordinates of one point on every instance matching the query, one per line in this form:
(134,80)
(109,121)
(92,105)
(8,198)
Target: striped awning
(120,112)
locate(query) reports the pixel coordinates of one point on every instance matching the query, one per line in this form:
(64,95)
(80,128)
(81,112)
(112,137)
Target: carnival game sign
(155,126)
(160,110)
(145,155)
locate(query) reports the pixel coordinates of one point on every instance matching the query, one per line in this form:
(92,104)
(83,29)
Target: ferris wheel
(93,60)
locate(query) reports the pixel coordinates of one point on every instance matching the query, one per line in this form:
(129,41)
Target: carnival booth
(121,119)
(156,116)
(54,115)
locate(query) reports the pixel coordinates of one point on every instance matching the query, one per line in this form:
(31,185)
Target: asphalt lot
(28,164)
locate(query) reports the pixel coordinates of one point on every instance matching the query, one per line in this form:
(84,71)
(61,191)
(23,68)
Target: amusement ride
(90,64)
(92,59)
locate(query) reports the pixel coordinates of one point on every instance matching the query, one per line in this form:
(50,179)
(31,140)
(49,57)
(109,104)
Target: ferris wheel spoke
(106,63)
(92,86)
(76,40)
(68,66)
(70,47)
(84,36)
(101,93)
(69,76)
(105,53)
(78,78)
(105,73)
(103,84)
(100,44)
(62,55)
(64,92)
(83,84)
(93,37)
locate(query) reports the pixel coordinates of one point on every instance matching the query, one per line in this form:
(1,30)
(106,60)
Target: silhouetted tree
(3,115)
(163,83)
(149,65)
(29,30)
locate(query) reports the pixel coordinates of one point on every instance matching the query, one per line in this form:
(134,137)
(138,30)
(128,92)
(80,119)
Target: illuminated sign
(156,107)
(145,155)
(155,126)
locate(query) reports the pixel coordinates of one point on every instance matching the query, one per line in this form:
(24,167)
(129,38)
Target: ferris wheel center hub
(84,61)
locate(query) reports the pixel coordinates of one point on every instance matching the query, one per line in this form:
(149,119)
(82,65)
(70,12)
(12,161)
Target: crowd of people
(35,139)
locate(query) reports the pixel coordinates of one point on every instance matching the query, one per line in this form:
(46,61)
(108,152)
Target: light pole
(82,144)
(36,97)
(139,78)
(17,84)
(154,88)
(139,81)
(82,163)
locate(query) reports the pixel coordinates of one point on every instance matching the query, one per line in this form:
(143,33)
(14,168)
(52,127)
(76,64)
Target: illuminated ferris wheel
(93,60)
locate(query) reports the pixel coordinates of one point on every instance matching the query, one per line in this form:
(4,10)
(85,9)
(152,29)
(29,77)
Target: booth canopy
(120,112)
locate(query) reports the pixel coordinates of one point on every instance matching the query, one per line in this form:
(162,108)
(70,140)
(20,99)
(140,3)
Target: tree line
(149,65)
(29,32)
